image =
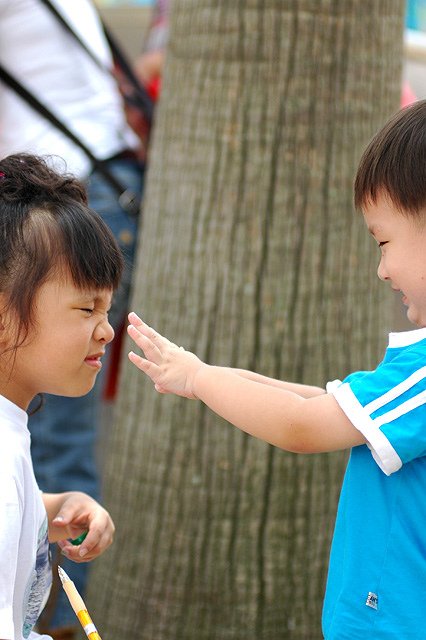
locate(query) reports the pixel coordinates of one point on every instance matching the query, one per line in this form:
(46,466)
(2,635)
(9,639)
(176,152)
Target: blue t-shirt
(376,587)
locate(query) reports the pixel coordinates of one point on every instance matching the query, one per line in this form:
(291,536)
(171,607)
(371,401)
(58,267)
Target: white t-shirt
(25,571)
(43,57)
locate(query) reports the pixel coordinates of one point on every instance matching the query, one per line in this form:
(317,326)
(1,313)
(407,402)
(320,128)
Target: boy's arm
(304,390)
(292,417)
(309,424)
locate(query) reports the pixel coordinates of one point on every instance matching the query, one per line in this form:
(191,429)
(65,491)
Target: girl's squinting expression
(62,354)
(402,242)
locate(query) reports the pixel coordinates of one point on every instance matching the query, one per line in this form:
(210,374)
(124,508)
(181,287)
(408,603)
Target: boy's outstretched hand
(171,368)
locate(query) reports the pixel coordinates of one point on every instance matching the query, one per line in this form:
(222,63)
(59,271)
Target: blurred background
(251,257)
(415,47)
(128,17)
(256,141)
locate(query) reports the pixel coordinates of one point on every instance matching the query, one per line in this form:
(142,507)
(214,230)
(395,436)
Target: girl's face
(402,243)
(62,354)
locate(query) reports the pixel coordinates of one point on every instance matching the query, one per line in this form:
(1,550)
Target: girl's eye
(382,244)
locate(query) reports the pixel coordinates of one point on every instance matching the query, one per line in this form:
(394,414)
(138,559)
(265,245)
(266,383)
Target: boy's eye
(382,244)
(87,310)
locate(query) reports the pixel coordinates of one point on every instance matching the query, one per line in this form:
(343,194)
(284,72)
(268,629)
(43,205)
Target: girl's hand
(71,514)
(171,368)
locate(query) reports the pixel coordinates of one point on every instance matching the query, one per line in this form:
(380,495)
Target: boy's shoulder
(404,355)
(388,404)
(407,341)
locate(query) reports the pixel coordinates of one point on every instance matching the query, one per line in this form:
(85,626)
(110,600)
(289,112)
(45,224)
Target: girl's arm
(294,417)
(72,513)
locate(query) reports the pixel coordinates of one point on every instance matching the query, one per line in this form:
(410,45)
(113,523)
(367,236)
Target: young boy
(376,585)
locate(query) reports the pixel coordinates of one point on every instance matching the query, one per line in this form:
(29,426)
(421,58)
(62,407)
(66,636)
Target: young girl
(59,265)
(377,572)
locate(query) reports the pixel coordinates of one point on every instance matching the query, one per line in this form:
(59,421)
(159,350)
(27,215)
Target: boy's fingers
(144,365)
(141,330)
(151,350)
(144,328)
(140,362)
(134,319)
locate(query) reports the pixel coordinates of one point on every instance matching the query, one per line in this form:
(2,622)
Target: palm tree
(251,255)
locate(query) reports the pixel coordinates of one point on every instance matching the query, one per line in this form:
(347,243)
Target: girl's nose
(381,271)
(104,331)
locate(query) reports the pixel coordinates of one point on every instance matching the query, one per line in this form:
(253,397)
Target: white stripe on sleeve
(396,391)
(382,450)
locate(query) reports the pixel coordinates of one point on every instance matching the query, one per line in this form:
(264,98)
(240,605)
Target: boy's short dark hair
(394,163)
(46,227)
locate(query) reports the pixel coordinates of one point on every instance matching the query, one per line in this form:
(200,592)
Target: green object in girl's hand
(80,539)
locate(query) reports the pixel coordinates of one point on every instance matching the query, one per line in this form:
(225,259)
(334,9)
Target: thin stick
(76,601)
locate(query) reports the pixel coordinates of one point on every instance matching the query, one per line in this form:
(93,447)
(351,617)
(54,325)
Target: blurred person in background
(149,64)
(148,68)
(37,51)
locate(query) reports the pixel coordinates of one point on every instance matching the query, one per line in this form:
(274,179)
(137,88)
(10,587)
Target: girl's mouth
(94,360)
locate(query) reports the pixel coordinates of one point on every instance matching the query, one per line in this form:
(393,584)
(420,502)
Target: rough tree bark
(251,255)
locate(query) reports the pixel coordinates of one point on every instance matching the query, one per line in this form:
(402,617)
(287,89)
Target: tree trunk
(251,255)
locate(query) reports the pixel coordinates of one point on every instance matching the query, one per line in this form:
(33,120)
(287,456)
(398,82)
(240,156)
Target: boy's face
(402,242)
(61,355)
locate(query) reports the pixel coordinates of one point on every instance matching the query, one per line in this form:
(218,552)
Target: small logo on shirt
(372,600)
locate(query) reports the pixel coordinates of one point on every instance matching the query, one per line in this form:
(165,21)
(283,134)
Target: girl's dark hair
(47,227)
(394,163)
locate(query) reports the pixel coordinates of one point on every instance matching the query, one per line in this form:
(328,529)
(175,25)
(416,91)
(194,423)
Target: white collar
(406,338)
(12,412)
